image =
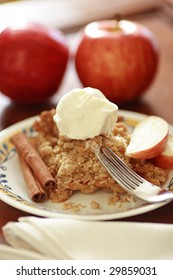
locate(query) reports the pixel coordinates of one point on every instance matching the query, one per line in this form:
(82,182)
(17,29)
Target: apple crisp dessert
(74,165)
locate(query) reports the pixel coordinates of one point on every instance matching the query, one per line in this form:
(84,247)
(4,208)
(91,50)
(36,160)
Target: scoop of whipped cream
(85,113)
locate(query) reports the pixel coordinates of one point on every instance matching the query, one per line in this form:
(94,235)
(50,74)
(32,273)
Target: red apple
(149,138)
(33,59)
(118,58)
(165,159)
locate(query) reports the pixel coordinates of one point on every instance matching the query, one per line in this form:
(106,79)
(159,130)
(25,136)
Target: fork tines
(118,169)
(129,180)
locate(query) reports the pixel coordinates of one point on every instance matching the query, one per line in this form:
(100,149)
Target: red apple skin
(165,159)
(122,64)
(149,138)
(152,152)
(33,60)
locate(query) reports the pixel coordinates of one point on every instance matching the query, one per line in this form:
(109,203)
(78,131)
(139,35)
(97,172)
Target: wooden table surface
(158,100)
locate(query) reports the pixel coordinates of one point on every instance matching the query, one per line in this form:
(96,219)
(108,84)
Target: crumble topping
(75,167)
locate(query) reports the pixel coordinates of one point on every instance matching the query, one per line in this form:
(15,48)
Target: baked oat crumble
(95,205)
(75,207)
(75,167)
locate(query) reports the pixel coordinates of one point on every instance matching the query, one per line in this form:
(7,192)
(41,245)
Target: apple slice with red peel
(165,159)
(149,138)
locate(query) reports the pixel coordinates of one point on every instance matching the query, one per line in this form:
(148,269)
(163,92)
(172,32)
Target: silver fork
(129,180)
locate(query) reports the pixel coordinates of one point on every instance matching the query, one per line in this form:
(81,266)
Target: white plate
(14,192)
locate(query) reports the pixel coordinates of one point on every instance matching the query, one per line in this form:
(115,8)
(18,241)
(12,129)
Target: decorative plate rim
(26,205)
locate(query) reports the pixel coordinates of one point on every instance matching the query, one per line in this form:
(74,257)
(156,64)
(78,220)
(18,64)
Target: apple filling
(74,165)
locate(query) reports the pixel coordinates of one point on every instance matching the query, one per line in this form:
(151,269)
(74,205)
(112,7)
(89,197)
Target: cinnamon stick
(33,159)
(35,189)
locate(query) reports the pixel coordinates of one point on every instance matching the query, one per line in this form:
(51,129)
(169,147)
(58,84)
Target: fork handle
(161,197)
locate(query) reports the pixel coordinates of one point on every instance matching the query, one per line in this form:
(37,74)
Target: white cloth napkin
(52,238)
